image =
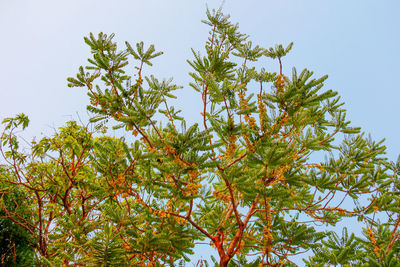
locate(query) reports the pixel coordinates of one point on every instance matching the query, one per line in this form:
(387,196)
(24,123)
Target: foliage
(15,241)
(247,179)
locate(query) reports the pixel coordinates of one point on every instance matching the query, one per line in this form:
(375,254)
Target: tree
(246,179)
(15,242)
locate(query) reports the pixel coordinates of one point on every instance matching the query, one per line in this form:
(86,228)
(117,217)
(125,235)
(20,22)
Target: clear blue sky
(355,42)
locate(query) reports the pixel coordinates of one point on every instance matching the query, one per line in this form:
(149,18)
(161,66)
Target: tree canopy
(248,179)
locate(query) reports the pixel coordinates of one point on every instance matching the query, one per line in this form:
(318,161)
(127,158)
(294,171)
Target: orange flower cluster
(167,214)
(118,183)
(139,200)
(180,220)
(191,189)
(278,174)
(117,115)
(94,101)
(159,213)
(243,101)
(371,236)
(314,165)
(280,83)
(221,196)
(193,174)
(169,150)
(134,131)
(250,120)
(170,137)
(281,122)
(249,145)
(149,148)
(268,238)
(169,116)
(120,180)
(284,118)
(261,111)
(149,258)
(126,246)
(230,151)
(339,210)
(181,162)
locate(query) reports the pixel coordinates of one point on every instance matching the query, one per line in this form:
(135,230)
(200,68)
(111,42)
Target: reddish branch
(235,243)
(394,236)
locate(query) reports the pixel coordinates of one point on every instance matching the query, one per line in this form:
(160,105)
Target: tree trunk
(224,261)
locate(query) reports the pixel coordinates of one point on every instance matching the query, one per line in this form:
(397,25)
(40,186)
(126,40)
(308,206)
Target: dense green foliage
(245,179)
(15,242)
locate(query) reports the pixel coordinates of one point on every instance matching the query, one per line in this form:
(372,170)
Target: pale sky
(355,42)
